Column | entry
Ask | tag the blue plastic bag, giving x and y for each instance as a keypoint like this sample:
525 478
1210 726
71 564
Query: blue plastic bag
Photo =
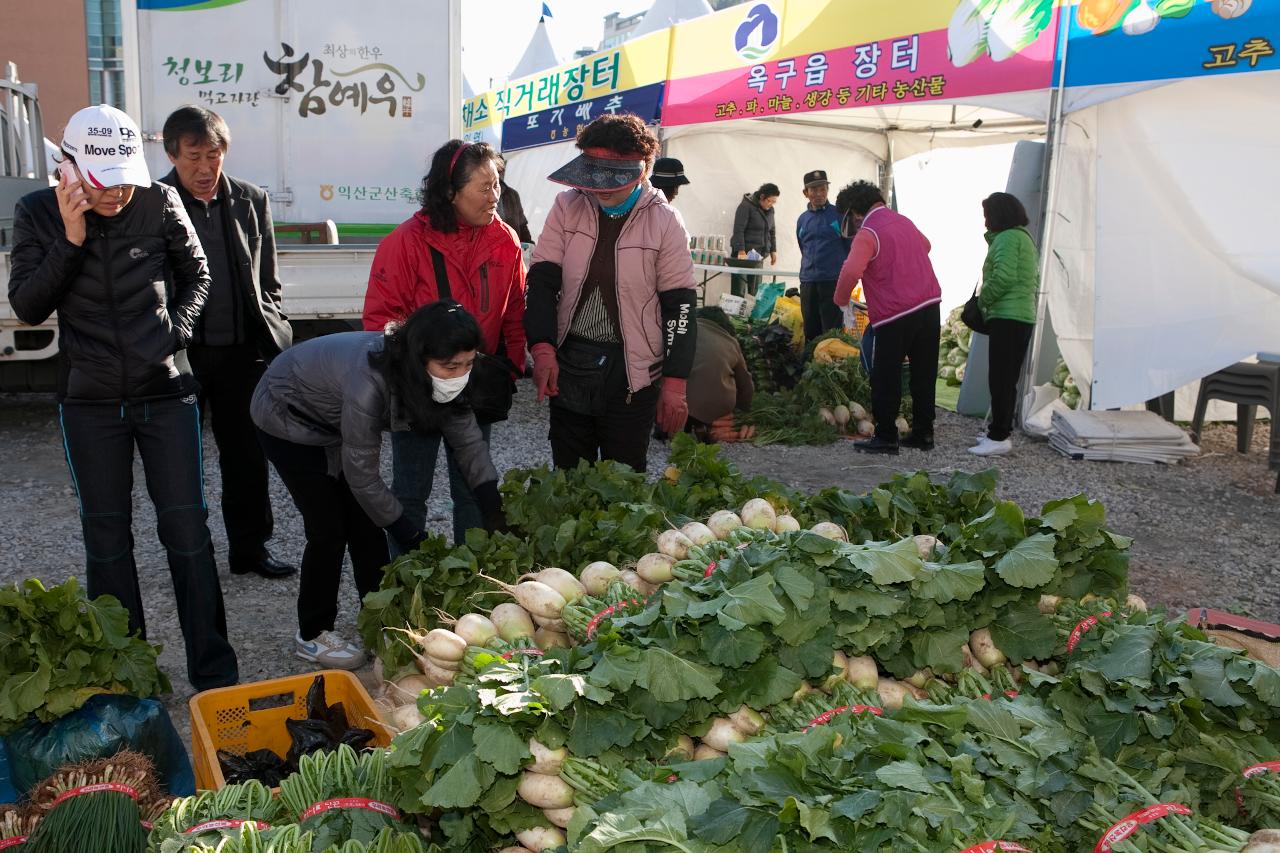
8 793
766 296
103 726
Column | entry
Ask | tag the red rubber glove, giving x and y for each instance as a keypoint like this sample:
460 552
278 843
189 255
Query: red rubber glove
673 409
546 371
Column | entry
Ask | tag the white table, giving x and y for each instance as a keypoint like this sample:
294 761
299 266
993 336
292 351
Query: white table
710 271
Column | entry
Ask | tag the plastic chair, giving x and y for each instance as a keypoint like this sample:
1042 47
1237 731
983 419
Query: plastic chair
1248 386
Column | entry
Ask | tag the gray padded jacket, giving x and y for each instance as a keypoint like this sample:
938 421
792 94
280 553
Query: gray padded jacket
323 392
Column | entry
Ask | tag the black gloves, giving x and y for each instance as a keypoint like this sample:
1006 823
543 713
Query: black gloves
406 535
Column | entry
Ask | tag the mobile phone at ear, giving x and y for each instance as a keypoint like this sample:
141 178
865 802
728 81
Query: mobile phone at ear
68 172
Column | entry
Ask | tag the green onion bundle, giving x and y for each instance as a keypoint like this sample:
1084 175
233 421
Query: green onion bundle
15 826
212 815
98 805
341 796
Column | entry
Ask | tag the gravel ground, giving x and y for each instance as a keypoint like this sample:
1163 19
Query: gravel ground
1205 532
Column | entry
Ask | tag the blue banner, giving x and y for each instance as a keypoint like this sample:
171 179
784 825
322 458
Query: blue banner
561 123
1172 39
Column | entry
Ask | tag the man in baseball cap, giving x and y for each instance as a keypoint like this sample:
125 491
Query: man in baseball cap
106 147
822 252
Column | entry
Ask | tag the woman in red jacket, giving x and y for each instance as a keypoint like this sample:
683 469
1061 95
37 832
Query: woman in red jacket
456 233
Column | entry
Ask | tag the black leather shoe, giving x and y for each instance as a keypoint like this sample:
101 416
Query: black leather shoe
876 445
917 442
268 567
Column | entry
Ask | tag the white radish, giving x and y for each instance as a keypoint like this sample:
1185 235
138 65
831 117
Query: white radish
721 734
785 524
444 645
984 648
861 672
569 587
543 791
682 750
406 689
706 752
970 661
515 850
512 621
759 514
597 576
830 530
560 817
698 533
437 676
842 415
866 427
827 415
857 412
556 625
1049 603
723 522
447 665
477 630
1135 603
534 596
901 423
545 638
540 838
546 760
655 568
892 693
639 584
406 717
378 675
674 544
747 721
925 545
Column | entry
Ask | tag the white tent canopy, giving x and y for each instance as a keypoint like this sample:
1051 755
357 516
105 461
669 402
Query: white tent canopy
538 56
664 13
1163 264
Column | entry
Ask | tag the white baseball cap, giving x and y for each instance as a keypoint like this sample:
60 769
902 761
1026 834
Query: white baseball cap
107 147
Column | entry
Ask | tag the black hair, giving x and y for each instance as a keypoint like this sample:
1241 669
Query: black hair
1004 211
445 179
196 124
670 192
437 331
859 197
766 190
715 314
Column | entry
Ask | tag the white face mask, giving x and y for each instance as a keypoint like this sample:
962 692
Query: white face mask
444 390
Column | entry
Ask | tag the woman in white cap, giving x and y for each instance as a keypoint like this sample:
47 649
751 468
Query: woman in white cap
610 306
116 256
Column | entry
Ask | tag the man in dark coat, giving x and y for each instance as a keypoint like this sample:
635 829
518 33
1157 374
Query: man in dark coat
242 326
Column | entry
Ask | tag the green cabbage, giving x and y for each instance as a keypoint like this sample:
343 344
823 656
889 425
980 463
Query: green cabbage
967 32
1174 8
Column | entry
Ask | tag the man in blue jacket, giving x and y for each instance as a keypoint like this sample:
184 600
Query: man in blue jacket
822 253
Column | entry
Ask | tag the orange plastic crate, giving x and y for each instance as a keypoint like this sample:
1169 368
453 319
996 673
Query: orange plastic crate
246 717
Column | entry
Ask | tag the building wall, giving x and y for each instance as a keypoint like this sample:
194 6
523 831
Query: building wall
47 40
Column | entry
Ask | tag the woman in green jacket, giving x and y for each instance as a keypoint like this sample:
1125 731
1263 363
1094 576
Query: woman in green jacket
1010 279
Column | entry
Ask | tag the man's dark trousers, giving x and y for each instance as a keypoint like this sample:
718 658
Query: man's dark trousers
227 377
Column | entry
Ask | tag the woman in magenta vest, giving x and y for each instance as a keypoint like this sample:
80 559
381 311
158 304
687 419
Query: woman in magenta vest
891 258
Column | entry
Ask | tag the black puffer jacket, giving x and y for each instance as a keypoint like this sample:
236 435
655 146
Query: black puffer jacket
753 228
127 300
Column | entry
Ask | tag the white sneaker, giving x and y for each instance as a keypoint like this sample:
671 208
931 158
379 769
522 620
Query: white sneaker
987 447
330 650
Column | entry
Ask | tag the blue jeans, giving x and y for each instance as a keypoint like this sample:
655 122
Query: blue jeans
413 467
99 440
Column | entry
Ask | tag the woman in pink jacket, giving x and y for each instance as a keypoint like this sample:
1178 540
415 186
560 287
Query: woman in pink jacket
611 297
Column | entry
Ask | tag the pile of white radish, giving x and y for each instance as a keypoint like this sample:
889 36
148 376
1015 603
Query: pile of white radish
842 416
541 786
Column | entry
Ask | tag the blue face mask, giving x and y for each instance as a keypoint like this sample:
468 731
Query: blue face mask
626 205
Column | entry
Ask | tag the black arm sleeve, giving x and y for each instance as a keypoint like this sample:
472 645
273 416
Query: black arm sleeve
542 297
39 275
680 329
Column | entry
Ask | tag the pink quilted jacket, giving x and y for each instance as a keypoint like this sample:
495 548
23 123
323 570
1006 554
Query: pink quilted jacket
652 257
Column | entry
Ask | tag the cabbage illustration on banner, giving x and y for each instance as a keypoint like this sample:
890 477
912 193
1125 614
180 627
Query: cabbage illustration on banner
996 28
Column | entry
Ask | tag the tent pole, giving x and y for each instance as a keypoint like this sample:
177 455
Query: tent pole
1048 197
887 183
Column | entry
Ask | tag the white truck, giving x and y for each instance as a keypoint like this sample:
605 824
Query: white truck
334 111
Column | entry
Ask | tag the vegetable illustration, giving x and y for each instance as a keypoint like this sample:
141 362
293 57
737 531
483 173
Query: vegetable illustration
1231 8
1102 16
1015 25
1142 19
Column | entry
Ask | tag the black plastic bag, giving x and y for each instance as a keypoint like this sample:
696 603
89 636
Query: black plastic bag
261 764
